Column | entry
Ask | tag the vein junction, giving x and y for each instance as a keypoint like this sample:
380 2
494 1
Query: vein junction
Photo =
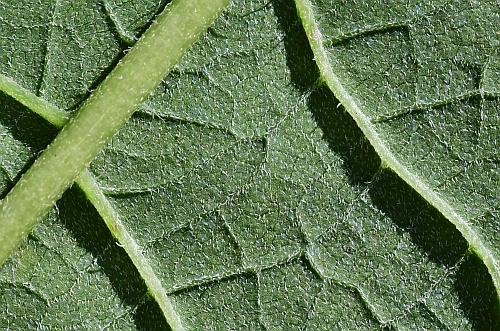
87 183
98 119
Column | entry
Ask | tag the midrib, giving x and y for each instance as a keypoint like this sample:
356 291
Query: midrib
306 15
87 183
97 120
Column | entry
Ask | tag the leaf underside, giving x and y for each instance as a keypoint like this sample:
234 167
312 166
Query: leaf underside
421 81
254 197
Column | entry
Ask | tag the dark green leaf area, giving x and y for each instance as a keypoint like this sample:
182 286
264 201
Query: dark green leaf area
266 207
425 74
23 135
250 191
69 271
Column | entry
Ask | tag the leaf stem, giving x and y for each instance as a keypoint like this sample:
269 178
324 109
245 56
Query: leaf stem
104 112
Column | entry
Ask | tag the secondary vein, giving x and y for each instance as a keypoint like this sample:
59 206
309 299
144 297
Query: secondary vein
103 113
87 183
49 112
99 118
306 14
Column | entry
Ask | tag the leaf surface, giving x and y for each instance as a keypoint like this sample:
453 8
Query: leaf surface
419 79
255 200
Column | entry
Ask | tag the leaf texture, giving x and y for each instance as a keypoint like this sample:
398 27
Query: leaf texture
418 79
69 273
254 198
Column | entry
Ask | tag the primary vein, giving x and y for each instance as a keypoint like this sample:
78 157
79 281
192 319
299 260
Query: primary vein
87 183
98 119
106 110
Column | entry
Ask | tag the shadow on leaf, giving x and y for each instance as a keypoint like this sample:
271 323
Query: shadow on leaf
428 229
79 216
25 127
91 233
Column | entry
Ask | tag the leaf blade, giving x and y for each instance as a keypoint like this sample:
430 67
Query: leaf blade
101 116
477 241
311 239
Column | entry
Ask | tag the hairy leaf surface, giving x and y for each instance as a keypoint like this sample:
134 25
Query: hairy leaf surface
251 196
420 79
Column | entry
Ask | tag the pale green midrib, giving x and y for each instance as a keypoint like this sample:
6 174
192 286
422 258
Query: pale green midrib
136 75
101 115
94 194
306 14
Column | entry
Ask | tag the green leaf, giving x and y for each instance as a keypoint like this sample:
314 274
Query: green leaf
419 80
101 115
240 190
